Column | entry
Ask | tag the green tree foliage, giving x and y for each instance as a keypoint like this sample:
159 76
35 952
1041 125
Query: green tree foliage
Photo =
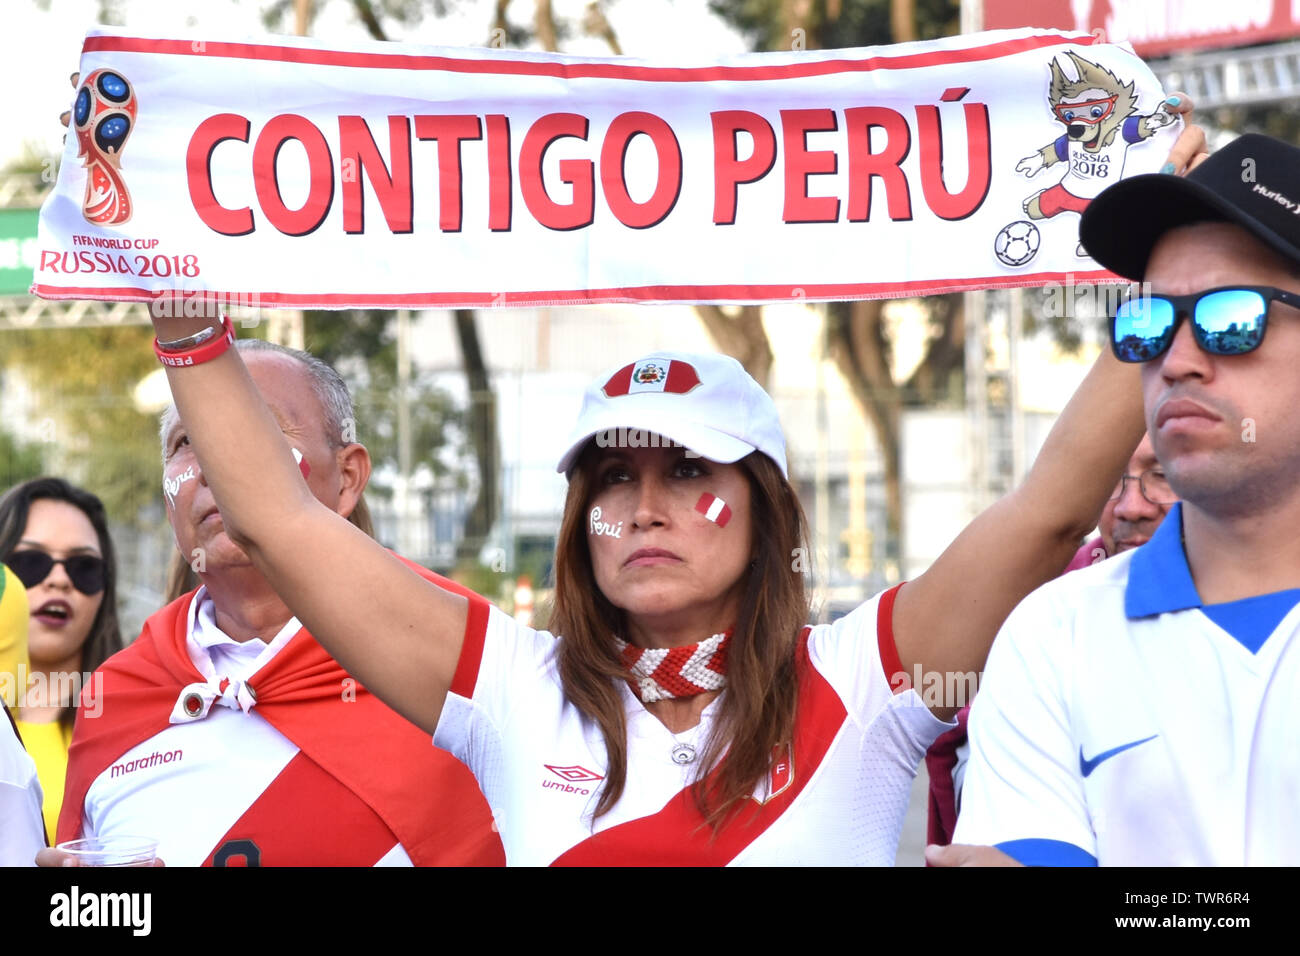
362 346
18 461
91 431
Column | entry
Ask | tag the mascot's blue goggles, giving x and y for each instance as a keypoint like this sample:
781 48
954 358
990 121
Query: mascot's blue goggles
1225 321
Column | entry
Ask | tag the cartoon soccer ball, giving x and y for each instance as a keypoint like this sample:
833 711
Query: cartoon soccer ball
1016 243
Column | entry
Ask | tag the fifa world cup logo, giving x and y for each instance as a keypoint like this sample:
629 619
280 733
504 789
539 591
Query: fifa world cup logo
103 116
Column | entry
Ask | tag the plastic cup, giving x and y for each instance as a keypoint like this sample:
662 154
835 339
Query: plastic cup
113 851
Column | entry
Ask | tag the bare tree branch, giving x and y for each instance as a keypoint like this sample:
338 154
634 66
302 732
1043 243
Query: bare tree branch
547 34
902 20
859 347
483 435
366 14
741 336
945 353
596 24
499 16
798 15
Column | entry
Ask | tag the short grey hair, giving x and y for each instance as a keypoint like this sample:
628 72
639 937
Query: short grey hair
330 389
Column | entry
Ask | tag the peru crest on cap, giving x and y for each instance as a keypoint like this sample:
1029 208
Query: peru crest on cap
652 375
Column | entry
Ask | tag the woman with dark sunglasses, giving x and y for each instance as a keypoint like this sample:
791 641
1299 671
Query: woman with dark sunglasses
54 537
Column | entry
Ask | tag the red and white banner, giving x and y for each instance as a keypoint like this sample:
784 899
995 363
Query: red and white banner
280 172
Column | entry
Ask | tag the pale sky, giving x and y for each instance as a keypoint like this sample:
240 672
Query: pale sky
39 49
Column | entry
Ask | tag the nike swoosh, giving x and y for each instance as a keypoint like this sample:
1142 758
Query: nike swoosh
1086 766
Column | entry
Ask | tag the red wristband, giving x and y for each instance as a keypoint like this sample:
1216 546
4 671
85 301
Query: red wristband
201 353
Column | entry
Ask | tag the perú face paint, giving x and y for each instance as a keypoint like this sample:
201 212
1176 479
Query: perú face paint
173 485
599 527
714 508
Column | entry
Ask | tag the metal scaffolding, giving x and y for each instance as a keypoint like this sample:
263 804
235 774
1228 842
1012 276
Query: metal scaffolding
1245 77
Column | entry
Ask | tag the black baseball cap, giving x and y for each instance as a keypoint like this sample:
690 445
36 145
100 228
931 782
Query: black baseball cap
1253 182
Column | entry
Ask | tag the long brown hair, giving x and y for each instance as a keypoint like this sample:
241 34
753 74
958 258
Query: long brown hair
756 712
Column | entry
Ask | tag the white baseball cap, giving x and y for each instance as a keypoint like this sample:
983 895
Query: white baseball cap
708 403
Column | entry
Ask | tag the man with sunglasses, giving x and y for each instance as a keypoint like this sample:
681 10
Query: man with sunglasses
1140 711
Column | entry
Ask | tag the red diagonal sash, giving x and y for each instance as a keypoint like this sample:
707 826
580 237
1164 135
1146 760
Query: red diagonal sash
424 795
677 834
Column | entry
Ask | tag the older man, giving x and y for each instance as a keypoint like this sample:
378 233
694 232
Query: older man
1141 500
227 733
1142 711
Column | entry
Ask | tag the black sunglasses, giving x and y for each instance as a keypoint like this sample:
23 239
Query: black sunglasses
1225 321
85 571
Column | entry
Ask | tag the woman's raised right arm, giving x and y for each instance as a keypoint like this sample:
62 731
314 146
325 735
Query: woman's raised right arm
395 632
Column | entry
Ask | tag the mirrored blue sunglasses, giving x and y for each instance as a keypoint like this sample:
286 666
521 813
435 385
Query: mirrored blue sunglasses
1225 321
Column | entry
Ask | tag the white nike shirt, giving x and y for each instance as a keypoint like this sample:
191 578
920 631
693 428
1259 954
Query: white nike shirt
1117 723
839 799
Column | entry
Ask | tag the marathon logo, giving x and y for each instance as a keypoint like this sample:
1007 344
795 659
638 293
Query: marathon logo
155 759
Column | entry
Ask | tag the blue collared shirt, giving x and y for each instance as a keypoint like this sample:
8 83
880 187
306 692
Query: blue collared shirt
1160 580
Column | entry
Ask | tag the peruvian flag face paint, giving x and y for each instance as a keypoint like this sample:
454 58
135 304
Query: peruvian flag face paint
714 508
302 463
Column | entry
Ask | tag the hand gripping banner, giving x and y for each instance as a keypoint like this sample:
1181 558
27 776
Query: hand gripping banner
279 172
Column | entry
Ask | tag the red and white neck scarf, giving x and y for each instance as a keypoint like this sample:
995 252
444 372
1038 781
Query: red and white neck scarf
663 673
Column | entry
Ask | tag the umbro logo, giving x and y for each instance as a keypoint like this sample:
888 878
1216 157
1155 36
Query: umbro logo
573 776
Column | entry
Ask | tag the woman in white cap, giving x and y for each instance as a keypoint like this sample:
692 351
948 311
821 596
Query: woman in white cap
679 710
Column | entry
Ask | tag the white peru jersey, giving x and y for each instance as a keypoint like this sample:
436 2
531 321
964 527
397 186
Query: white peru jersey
1117 721
230 789
838 798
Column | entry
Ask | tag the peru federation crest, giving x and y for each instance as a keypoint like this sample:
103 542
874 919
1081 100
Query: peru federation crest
103 116
653 374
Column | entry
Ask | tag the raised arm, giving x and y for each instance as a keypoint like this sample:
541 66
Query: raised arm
398 634
946 619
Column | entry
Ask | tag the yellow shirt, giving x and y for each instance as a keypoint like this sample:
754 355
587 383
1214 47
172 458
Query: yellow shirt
13 637
47 744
